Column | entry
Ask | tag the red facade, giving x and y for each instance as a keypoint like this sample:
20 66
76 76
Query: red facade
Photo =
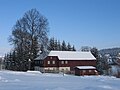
66 61
82 72
51 59
48 62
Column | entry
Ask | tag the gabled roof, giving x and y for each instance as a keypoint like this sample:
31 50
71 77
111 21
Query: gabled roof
72 55
42 56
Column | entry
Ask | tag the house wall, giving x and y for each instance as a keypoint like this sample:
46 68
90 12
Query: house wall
70 64
50 59
53 63
74 63
65 69
39 63
83 72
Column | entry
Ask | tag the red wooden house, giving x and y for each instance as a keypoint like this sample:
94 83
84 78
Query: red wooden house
64 61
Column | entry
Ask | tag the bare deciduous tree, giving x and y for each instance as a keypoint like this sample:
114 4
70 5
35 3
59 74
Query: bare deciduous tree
29 33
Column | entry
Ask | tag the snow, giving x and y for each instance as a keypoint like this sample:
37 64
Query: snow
85 67
72 55
34 72
10 80
115 69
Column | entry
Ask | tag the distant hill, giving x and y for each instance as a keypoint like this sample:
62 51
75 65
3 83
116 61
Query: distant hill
111 51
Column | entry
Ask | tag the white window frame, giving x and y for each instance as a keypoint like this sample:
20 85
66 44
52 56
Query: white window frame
90 70
48 62
66 62
53 62
84 71
62 62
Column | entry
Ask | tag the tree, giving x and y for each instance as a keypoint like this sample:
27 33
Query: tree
55 44
64 48
85 48
69 47
94 51
99 59
59 46
51 44
28 34
73 48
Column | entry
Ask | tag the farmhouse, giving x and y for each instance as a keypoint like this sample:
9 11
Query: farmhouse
66 61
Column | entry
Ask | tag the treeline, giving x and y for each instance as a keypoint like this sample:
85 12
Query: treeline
55 44
111 51
16 61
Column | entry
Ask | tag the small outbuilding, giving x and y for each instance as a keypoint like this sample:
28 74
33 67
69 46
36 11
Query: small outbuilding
85 70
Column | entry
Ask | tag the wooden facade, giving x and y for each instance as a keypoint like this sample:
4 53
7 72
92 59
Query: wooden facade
67 63
82 72
55 63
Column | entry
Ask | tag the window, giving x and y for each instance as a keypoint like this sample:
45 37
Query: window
62 62
50 57
84 71
35 62
53 62
48 62
90 70
41 62
66 62
66 69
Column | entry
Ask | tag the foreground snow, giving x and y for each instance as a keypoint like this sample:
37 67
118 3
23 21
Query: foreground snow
10 80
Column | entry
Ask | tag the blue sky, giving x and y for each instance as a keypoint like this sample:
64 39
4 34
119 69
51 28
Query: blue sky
80 22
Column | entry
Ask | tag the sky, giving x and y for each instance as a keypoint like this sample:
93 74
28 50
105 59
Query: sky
94 23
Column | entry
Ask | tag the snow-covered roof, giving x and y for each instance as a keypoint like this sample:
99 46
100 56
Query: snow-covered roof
42 56
85 67
72 55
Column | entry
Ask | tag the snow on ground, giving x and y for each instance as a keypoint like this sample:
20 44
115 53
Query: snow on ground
10 80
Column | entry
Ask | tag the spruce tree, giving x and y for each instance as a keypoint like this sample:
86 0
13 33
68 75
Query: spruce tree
59 46
69 47
64 48
73 48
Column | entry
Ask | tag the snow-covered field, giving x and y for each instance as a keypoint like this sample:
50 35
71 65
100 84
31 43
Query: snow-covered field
10 80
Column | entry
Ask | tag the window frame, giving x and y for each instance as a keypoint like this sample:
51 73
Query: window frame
84 71
48 62
53 62
62 62
66 62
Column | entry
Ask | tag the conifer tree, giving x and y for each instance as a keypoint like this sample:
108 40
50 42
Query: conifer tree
59 46
73 48
64 48
69 47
